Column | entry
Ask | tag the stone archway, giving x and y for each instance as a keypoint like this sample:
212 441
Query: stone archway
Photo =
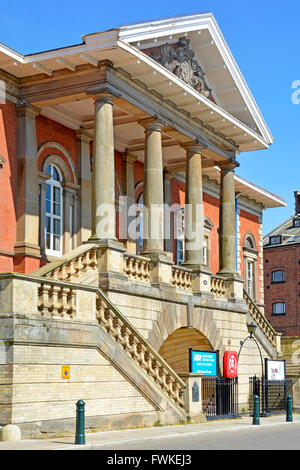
175 349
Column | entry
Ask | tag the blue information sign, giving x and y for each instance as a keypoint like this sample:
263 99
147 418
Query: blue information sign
204 362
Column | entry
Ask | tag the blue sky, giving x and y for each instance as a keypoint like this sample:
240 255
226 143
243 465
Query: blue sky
264 39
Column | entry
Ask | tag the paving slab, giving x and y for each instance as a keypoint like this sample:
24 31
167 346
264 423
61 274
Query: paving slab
103 439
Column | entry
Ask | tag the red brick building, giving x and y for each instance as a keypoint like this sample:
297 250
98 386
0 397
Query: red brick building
282 275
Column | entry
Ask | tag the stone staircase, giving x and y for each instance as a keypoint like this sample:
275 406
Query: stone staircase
57 294
267 336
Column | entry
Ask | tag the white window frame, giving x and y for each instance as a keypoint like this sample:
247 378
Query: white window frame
279 313
179 236
54 184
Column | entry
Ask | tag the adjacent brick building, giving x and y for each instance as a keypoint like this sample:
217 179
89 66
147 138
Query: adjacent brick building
282 274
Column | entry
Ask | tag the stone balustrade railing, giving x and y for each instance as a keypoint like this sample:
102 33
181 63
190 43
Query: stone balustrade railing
33 296
182 278
70 266
218 287
140 351
56 300
137 268
261 320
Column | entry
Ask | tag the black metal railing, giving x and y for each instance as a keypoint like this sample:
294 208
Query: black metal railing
219 397
272 393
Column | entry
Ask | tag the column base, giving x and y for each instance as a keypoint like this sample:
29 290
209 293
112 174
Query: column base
162 267
234 285
110 255
201 275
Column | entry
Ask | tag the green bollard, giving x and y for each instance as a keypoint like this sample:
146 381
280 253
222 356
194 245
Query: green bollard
256 410
80 436
289 409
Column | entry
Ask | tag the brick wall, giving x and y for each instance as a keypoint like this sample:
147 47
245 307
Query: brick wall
284 258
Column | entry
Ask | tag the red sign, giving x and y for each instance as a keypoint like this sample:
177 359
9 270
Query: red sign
230 364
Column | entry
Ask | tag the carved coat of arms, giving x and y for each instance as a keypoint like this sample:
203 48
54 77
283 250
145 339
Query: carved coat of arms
181 61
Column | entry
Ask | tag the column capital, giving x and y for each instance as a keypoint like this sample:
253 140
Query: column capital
24 108
193 147
167 174
83 136
129 157
151 124
227 165
103 97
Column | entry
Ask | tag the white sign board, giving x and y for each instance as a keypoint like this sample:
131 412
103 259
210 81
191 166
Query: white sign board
275 370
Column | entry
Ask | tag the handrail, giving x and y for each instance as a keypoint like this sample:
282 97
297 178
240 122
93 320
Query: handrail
260 319
71 264
112 320
118 327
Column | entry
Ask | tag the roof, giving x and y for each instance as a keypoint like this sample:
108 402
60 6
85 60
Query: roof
250 191
285 234
232 113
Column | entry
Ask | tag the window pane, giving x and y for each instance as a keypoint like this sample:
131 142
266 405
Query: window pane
56 194
56 243
48 191
56 228
48 206
48 170
279 308
55 174
56 209
48 225
278 276
48 240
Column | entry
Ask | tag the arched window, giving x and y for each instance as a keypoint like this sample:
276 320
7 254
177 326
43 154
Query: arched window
54 211
250 265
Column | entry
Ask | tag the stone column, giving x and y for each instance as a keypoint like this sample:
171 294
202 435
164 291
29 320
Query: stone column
27 242
194 215
104 217
153 189
85 191
227 225
169 215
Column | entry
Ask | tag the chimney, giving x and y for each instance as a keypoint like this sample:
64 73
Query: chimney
297 201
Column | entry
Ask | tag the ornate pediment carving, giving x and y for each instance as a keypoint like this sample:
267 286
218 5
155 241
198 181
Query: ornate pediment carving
180 59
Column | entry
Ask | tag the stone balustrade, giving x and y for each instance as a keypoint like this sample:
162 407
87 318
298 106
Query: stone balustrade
139 350
261 320
31 296
218 287
137 268
182 278
72 265
56 300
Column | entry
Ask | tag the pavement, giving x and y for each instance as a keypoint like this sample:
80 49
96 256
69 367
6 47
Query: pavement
108 439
